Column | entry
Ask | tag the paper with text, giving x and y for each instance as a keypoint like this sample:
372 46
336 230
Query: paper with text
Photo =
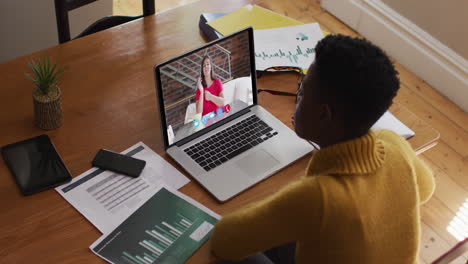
106 198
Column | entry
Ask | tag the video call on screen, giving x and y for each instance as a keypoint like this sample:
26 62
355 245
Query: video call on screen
206 86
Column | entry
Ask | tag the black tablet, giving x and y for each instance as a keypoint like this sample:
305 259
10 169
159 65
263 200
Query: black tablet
35 164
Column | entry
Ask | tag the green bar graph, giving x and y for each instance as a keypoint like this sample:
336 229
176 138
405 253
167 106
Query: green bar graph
166 229
133 259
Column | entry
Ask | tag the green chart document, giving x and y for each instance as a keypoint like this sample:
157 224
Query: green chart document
168 229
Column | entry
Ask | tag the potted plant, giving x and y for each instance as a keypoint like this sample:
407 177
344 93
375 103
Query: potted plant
46 95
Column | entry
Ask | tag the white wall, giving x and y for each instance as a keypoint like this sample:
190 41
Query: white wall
27 26
420 52
446 20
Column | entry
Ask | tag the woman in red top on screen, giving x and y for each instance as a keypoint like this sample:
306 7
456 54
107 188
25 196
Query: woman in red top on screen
209 96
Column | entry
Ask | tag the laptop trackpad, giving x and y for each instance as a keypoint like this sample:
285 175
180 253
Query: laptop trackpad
257 163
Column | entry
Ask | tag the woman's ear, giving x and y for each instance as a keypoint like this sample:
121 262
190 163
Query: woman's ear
326 113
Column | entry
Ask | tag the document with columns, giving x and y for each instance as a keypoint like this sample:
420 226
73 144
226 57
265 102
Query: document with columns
106 198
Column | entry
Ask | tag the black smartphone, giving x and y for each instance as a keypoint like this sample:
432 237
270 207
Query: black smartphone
116 162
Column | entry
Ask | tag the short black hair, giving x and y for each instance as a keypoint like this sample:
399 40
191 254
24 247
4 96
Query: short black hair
357 77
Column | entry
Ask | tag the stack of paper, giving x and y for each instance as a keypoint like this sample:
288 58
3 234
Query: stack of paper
279 40
144 220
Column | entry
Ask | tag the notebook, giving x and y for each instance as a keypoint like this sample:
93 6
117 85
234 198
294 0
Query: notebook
220 135
208 31
251 15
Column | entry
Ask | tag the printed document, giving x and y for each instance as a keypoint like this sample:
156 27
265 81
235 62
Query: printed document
168 228
286 46
106 198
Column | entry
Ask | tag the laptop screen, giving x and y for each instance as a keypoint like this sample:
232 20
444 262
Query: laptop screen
201 88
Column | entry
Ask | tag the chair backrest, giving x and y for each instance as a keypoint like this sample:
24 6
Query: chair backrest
62 7
238 89
453 254
190 113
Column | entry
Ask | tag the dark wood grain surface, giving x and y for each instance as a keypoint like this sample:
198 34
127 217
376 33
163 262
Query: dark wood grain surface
109 101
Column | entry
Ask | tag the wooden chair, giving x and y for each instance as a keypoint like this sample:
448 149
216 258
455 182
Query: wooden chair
62 7
457 251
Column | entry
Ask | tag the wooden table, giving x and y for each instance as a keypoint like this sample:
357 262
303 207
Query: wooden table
109 102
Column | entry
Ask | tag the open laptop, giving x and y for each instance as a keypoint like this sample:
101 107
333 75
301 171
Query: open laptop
237 143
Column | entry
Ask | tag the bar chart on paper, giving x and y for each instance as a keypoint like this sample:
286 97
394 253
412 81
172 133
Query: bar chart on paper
162 237
166 229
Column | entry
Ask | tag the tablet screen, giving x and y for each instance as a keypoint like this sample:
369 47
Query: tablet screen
35 164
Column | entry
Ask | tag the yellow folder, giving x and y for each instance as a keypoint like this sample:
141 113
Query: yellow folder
251 15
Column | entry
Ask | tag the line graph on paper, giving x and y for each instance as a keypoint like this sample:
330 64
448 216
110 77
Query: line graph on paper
293 56
287 46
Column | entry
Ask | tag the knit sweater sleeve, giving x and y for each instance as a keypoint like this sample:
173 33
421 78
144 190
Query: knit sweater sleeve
275 221
423 175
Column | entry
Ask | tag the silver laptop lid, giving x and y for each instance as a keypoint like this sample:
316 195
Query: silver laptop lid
185 111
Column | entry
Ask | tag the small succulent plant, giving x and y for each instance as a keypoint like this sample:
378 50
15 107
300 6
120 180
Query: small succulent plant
44 74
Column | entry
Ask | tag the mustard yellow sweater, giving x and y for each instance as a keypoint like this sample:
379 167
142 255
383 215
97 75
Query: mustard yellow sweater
358 203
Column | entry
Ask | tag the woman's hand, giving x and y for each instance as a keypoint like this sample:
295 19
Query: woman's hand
208 96
199 85
199 102
217 100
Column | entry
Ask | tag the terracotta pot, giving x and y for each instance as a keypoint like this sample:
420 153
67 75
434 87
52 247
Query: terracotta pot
48 108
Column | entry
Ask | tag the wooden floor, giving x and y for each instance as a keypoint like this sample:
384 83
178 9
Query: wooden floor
448 160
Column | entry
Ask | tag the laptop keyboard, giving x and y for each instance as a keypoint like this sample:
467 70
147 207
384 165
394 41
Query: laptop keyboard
230 142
